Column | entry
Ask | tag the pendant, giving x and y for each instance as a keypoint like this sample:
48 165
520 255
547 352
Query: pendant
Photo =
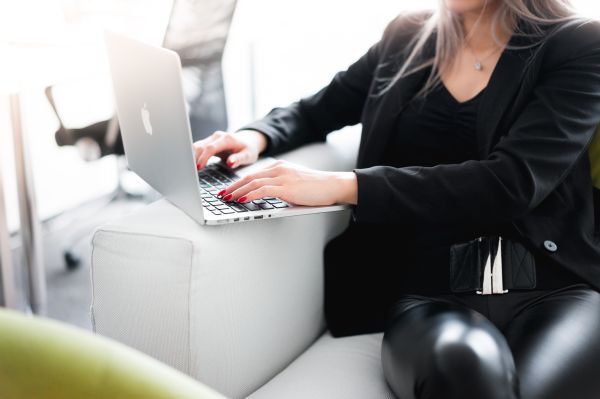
478 66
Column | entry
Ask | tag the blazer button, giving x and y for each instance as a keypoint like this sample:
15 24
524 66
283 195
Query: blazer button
550 246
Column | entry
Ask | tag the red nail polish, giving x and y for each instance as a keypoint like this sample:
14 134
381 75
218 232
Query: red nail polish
221 192
243 199
197 166
228 197
230 163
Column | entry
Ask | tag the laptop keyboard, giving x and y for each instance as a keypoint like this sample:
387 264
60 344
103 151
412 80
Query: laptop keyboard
214 178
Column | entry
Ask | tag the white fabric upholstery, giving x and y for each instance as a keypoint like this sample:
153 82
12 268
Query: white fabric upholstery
332 368
230 305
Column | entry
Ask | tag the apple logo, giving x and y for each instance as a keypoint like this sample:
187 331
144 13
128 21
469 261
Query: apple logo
146 119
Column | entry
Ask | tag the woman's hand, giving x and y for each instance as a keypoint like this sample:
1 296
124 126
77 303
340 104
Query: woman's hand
294 184
241 148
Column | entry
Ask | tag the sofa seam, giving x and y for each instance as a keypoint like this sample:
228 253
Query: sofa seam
189 312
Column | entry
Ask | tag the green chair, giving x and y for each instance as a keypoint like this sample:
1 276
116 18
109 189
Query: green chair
40 358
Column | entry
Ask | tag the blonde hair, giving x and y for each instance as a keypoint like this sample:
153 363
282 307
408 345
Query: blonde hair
447 26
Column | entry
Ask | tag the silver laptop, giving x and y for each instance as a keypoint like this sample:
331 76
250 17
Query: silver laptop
157 139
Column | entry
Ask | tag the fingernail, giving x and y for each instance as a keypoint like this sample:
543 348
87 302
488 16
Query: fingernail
228 197
230 163
221 192
242 199
197 166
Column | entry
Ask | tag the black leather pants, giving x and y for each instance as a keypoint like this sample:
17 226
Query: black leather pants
529 345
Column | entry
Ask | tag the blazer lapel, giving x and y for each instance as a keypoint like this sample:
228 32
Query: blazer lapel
500 92
386 110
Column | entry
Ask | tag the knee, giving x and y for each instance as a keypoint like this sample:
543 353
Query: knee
469 357
447 352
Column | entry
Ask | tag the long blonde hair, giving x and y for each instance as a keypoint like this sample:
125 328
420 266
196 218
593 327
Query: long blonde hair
450 37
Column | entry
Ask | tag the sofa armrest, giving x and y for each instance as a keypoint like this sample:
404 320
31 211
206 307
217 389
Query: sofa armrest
230 305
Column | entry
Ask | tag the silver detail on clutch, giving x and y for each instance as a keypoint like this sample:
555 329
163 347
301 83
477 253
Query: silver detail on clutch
492 274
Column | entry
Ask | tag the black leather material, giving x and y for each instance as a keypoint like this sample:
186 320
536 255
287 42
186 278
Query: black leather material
467 262
444 350
537 344
518 266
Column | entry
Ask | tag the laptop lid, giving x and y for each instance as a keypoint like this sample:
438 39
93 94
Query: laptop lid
153 118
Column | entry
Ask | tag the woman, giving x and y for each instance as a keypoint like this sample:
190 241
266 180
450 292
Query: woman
474 241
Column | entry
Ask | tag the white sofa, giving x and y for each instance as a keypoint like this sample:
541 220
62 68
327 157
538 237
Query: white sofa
240 306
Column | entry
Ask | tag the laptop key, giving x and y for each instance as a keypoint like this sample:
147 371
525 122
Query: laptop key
238 208
251 207
259 201
280 205
215 212
227 211
226 179
220 177
266 205
273 200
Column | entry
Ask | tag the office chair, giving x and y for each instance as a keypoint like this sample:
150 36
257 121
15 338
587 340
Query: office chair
93 142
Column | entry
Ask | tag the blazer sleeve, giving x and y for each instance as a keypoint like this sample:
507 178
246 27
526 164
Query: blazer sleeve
310 119
528 163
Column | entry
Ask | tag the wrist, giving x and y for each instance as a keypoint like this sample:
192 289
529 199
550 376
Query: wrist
347 188
256 139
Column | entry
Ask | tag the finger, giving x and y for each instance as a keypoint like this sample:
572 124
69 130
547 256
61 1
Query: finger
198 148
268 172
253 185
239 158
199 145
264 191
210 149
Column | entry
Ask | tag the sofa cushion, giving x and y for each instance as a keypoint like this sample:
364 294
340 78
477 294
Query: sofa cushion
332 368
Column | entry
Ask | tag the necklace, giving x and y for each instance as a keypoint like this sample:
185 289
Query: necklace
478 65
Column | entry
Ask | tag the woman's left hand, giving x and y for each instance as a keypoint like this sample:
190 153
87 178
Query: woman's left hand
294 184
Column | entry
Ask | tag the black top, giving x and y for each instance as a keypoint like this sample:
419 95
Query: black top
439 129
436 130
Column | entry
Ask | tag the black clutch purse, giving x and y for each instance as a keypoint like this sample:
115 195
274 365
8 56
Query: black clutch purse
478 266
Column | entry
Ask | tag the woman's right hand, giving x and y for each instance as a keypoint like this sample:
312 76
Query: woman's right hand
240 148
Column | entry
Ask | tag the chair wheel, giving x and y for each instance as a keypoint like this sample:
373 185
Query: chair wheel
71 261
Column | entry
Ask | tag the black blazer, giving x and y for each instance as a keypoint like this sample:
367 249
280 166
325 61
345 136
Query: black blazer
537 118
